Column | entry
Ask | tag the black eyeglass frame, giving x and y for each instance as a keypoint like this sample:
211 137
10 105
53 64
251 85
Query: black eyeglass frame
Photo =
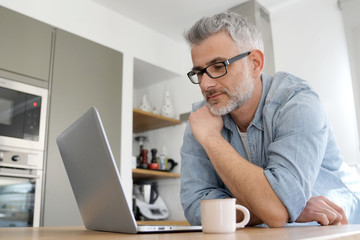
226 63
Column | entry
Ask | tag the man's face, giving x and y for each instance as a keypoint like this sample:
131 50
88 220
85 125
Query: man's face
223 95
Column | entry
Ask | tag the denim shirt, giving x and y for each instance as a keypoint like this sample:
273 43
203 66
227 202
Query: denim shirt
291 139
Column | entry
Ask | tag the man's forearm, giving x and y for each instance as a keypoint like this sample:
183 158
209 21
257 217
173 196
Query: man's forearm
247 183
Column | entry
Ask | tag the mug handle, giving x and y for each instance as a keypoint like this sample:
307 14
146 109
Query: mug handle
246 216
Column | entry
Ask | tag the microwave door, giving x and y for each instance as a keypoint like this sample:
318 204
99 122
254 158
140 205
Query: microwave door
12 113
32 117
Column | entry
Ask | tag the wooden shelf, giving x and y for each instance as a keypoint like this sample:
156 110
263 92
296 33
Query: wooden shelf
153 174
145 121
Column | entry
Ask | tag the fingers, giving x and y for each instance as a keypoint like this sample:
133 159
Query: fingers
321 218
332 217
323 211
330 209
342 219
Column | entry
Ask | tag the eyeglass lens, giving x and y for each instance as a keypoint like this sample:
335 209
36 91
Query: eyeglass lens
215 70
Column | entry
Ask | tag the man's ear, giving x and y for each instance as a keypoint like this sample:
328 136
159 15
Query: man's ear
256 58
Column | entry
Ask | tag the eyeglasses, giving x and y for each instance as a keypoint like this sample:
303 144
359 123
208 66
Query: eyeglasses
215 70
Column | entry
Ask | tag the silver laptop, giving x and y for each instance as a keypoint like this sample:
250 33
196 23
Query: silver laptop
95 180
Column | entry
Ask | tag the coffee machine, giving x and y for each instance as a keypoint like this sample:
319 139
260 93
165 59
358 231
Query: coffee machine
148 204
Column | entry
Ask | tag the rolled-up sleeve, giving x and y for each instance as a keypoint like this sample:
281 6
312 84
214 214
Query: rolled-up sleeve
295 153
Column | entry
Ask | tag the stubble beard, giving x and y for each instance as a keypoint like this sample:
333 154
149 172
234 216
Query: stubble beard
241 95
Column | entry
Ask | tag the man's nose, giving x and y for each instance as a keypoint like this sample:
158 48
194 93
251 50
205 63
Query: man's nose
207 82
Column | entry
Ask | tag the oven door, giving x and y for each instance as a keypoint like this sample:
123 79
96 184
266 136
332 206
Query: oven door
17 197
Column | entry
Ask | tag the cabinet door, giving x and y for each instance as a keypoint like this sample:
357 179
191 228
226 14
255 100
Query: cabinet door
25 45
85 74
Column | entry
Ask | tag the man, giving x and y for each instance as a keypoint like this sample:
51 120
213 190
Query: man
265 141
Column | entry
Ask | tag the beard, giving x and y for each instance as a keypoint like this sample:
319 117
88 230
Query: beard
238 97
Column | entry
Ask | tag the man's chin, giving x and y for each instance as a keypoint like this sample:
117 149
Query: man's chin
217 110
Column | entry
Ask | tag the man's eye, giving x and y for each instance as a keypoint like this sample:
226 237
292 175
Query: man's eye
217 67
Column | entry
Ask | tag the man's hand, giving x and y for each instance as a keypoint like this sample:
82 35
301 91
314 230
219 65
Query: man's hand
204 124
323 211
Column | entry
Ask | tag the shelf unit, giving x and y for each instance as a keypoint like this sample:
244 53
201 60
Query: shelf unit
150 79
145 121
152 174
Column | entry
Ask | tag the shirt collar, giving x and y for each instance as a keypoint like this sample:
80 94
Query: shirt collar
258 118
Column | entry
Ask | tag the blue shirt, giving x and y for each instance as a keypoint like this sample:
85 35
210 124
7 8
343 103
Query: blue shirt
291 138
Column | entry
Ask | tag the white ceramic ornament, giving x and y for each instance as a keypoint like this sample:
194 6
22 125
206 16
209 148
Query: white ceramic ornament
145 105
167 109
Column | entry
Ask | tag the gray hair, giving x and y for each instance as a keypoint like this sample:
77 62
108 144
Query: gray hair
241 30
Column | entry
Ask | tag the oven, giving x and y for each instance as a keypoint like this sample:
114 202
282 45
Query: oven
20 187
22 115
22 143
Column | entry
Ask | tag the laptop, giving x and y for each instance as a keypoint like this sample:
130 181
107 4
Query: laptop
96 182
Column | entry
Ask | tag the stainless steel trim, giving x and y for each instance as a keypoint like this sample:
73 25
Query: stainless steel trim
17 175
10 165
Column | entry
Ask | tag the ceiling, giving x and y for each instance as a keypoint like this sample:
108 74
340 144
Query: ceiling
172 17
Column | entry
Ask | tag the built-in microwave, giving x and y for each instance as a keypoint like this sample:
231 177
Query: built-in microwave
22 115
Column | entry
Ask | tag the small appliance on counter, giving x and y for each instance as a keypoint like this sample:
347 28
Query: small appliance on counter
148 203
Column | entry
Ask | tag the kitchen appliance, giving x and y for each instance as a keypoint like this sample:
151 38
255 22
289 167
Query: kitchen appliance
148 203
20 187
22 141
22 115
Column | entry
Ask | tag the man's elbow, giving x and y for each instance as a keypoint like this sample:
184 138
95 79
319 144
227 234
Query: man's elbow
278 219
277 223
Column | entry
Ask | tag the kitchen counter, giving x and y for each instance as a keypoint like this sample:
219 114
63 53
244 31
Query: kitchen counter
248 233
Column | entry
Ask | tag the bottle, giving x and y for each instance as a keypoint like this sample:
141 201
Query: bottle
163 159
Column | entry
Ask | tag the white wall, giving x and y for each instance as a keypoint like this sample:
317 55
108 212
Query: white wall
350 11
309 41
